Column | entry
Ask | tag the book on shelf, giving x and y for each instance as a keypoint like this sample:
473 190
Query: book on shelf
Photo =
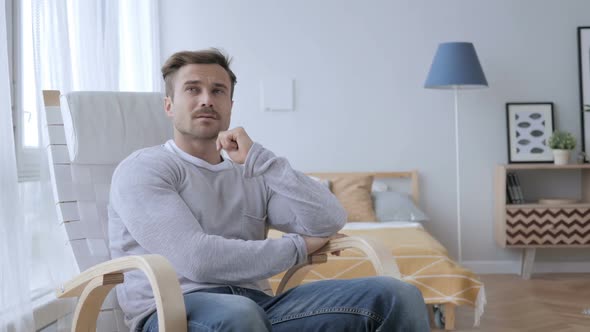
508 194
514 189
518 189
512 199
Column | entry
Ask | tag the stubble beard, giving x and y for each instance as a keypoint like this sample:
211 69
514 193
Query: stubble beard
193 131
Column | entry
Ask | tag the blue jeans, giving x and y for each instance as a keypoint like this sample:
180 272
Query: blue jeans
366 304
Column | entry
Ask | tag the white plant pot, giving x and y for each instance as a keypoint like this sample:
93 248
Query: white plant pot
561 157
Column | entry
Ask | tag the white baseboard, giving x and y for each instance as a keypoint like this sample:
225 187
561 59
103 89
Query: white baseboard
513 267
561 267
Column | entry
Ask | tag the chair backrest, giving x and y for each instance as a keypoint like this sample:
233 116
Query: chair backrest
87 135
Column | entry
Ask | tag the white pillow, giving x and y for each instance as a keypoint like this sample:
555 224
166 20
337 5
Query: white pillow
379 186
396 206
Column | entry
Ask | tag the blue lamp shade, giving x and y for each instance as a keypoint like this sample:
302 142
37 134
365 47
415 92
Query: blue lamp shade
455 65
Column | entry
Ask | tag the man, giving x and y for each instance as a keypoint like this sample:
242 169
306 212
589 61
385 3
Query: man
208 216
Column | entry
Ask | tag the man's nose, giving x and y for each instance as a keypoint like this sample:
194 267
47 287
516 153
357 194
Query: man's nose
206 100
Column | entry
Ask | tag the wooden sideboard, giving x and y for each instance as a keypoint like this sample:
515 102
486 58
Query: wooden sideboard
532 225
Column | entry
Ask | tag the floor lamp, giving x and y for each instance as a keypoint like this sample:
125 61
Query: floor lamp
456 66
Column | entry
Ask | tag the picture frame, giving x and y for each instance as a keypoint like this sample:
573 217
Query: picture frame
584 75
529 125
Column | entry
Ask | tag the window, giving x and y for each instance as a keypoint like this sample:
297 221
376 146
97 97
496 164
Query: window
30 116
47 236
26 118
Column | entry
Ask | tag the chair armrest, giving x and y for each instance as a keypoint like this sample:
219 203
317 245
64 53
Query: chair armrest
381 258
94 284
383 262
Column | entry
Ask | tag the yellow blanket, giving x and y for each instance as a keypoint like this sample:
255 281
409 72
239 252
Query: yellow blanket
421 259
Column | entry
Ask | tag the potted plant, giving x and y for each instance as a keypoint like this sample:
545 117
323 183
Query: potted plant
562 144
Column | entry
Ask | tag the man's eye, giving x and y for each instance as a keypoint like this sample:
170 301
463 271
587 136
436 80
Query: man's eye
191 89
218 91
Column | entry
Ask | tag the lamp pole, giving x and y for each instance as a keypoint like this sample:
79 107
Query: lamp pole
460 255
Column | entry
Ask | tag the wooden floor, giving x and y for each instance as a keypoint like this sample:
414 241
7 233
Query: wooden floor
545 303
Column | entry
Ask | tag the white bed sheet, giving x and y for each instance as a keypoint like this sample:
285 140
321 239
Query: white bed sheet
381 224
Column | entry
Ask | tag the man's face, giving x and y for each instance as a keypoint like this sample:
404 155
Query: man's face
202 101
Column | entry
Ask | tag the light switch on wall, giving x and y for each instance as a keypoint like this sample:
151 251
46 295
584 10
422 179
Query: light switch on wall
276 94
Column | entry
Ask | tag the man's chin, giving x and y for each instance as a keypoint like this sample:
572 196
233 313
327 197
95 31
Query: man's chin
206 136
202 133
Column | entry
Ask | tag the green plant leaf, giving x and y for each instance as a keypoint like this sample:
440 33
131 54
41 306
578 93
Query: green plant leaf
562 140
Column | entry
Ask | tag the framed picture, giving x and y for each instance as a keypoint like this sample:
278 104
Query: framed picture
529 127
584 71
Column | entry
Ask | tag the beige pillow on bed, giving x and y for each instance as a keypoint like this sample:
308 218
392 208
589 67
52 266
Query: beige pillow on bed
354 193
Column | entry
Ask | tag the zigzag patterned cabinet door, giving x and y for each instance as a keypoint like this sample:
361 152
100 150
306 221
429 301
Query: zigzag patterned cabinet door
531 225
548 226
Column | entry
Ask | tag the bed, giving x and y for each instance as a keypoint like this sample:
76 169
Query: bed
421 259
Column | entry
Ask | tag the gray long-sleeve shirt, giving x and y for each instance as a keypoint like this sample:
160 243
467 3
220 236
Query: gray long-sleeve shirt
210 221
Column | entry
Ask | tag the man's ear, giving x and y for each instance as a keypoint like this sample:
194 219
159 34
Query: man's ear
168 106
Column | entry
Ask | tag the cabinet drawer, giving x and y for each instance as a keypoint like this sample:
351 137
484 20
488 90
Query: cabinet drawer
548 226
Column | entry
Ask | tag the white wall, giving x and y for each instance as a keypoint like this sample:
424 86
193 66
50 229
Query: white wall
360 67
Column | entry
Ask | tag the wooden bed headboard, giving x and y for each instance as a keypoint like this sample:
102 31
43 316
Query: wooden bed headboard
412 175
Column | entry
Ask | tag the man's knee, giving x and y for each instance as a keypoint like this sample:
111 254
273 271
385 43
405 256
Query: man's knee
399 292
408 307
236 313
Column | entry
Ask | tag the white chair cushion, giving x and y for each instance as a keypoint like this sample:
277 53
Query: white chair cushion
111 125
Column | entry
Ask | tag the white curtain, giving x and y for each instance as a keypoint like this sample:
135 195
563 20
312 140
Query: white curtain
97 45
77 45
15 300
53 259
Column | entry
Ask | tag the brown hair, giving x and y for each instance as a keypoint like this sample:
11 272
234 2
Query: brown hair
180 59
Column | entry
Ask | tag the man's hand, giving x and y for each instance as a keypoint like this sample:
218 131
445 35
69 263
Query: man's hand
236 143
315 243
337 236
